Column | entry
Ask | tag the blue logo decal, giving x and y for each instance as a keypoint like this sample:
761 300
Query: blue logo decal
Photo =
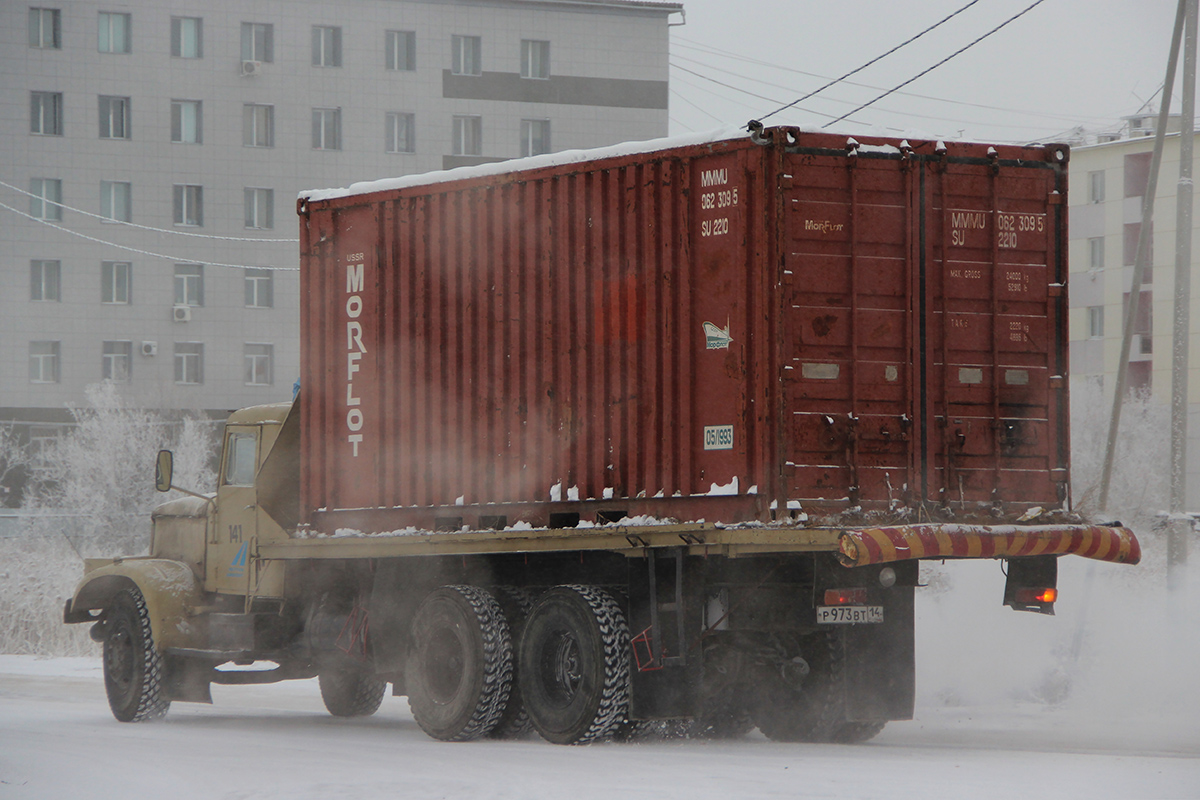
238 568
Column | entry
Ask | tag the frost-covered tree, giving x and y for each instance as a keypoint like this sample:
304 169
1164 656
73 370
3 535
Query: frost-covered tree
92 493
1140 482
101 472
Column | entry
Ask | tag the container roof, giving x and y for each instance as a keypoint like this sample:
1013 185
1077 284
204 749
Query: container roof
521 164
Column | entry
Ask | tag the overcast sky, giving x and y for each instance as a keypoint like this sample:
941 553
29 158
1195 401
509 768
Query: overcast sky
1064 64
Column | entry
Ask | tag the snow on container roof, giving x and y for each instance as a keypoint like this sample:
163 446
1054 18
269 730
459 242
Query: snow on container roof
523 164
623 4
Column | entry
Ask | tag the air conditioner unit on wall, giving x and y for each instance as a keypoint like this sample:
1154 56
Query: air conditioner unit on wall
149 348
181 314
251 68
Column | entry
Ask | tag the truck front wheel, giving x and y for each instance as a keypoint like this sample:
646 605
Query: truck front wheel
133 667
574 665
460 667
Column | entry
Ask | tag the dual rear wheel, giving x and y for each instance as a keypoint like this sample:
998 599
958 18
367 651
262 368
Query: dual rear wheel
569 672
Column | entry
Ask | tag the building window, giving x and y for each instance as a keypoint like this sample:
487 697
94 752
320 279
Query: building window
186 121
326 46
468 136
401 132
1096 253
45 280
189 205
258 42
116 278
258 364
1095 322
1137 174
46 200
260 208
189 362
114 117
116 358
45 113
187 37
535 137
401 50
43 362
116 200
1096 186
258 125
465 55
115 32
189 285
45 28
327 129
260 289
535 59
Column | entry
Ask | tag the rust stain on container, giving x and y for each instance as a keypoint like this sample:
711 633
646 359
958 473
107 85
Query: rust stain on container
703 331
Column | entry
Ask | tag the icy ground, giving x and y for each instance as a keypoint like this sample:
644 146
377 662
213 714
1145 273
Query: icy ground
1005 710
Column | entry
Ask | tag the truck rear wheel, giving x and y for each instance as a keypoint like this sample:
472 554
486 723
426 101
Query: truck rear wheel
574 665
133 667
515 602
460 667
351 692
856 732
813 711
816 711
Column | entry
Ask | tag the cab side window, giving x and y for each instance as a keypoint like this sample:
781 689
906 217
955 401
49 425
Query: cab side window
239 459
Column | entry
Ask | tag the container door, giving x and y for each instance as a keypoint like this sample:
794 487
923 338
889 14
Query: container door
995 347
924 320
848 381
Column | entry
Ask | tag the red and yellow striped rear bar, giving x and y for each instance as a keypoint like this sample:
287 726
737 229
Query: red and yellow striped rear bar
901 542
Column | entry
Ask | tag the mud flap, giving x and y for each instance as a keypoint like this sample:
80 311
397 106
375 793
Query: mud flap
881 663
880 660
188 680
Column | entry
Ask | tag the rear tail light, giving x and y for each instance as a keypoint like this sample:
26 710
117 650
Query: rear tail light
845 597
1036 596
1031 583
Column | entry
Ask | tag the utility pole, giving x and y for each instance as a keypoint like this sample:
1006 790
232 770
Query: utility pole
1180 524
1143 251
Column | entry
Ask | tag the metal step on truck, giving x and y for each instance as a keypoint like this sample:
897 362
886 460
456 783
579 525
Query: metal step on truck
654 432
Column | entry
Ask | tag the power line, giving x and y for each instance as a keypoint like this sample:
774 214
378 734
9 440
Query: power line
829 99
48 224
145 227
872 61
726 85
693 105
1016 16
716 51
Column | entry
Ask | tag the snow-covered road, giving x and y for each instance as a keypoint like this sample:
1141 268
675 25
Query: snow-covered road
58 740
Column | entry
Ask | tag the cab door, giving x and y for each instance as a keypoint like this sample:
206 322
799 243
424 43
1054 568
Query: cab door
232 539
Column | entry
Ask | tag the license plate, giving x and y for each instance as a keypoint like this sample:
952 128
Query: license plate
848 615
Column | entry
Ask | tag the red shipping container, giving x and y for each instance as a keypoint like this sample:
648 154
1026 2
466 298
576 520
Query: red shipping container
730 330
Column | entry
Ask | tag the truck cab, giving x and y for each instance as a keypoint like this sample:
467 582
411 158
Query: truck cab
219 535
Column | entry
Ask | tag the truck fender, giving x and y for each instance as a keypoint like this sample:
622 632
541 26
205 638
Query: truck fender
170 589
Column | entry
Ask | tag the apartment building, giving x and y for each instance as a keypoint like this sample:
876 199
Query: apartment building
1108 186
151 152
